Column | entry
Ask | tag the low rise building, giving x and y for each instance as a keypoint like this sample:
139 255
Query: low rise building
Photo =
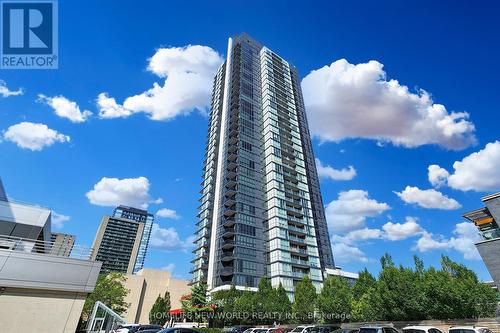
145 287
337 271
486 220
39 289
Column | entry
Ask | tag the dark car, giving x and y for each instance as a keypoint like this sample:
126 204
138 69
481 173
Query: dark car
142 328
149 330
324 328
346 330
378 329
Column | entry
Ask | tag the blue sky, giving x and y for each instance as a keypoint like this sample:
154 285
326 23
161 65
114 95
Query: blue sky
446 48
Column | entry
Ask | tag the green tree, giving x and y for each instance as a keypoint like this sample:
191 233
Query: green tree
195 305
224 301
364 308
199 295
364 296
407 294
283 306
399 290
304 301
335 300
158 314
439 290
386 261
245 307
110 290
264 302
365 282
469 297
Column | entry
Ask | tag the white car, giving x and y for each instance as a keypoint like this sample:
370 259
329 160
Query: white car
124 328
256 330
302 329
421 329
469 329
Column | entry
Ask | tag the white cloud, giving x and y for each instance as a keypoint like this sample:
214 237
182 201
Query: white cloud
465 236
428 243
345 100
65 108
108 108
58 220
361 235
437 175
5 92
478 172
350 210
168 239
399 231
347 247
167 213
345 253
328 172
390 231
128 191
188 73
427 198
33 136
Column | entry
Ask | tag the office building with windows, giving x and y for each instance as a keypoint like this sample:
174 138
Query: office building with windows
487 220
261 211
62 244
122 240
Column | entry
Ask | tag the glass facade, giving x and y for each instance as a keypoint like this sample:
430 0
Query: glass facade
261 212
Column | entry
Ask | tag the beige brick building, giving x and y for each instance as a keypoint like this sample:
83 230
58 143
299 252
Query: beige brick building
145 286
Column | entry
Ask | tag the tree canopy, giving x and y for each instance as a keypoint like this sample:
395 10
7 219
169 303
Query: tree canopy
304 301
398 293
110 290
159 312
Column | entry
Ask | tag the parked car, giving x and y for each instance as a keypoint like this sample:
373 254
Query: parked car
143 328
469 329
378 329
136 328
421 329
178 330
236 329
256 330
280 329
151 330
324 328
124 328
302 329
189 324
346 330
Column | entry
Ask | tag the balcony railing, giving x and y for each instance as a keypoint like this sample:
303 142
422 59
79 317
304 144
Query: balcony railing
51 248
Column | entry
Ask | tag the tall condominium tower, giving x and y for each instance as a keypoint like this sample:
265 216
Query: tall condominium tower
122 240
261 211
